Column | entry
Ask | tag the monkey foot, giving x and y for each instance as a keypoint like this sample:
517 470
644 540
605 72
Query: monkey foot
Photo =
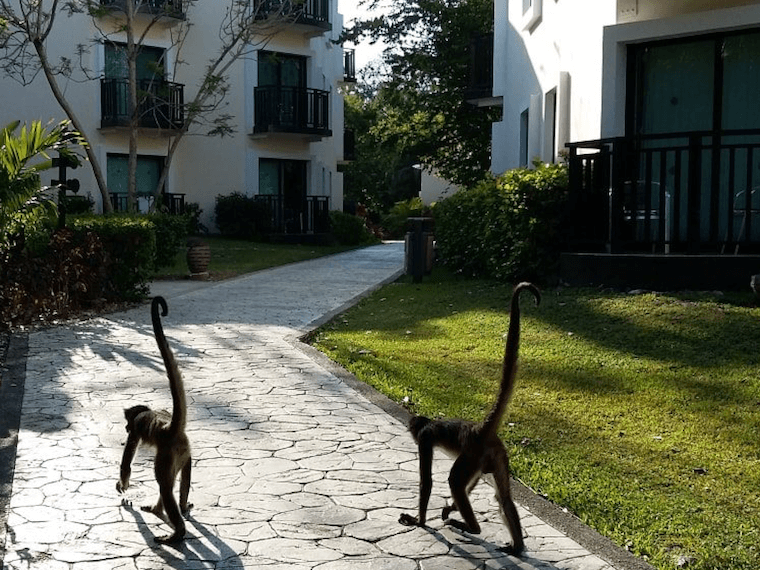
169 538
462 526
512 550
409 520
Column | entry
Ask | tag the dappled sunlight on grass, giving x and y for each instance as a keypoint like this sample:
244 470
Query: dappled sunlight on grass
641 414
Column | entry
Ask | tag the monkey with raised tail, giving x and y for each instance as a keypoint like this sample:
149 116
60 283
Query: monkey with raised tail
166 433
477 447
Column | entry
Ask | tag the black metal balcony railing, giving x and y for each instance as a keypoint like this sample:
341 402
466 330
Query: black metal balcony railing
291 109
480 83
168 8
349 145
349 66
314 13
160 104
310 215
693 192
172 203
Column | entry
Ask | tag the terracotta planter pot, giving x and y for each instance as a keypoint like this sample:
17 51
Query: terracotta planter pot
198 258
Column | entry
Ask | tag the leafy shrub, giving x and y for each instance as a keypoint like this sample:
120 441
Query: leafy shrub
130 244
69 274
77 205
192 214
171 234
349 229
506 227
395 221
241 216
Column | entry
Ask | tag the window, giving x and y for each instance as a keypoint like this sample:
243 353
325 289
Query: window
524 132
531 14
151 62
286 178
695 85
281 69
283 183
149 170
550 126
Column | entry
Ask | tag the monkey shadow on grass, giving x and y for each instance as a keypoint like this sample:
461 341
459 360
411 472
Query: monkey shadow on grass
199 544
500 559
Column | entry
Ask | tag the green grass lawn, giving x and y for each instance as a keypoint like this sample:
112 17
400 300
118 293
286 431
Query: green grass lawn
230 257
640 414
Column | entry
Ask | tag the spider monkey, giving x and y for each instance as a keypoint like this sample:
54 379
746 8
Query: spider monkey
477 447
166 433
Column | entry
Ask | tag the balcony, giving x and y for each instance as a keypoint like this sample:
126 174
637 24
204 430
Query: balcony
160 104
310 215
672 210
311 17
349 145
172 203
479 90
170 9
349 66
292 110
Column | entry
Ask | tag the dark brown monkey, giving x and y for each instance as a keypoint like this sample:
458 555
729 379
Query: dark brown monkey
167 434
477 447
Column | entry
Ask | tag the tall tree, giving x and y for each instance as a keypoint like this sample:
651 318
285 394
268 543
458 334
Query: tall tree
426 77
245 25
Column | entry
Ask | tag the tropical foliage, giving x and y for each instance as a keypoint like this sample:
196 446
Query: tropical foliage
506 227
414 110
24 202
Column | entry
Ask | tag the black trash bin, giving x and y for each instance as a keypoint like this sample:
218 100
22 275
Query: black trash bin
419 248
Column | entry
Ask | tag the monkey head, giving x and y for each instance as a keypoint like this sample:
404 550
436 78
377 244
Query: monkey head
131 415
416 425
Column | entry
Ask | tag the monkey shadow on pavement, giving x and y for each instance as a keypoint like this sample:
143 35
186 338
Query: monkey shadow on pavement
199 546
476 551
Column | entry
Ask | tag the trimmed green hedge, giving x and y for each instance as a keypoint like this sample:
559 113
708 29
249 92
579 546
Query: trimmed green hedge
507 227
130 244
171 235
348 229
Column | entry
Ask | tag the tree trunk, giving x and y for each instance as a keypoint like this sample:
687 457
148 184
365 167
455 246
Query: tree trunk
134 115
63 102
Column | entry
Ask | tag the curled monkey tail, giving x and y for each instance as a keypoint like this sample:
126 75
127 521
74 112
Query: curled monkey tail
179 404
509 365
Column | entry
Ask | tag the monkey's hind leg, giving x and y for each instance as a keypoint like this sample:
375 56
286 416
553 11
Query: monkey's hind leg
184 487
462 474
448 509
507 507
157 509
173 513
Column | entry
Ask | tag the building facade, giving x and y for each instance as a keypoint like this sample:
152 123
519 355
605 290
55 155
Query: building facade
656 105
568 70
284 102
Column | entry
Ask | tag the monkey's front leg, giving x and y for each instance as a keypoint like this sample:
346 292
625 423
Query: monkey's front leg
126 463
426 487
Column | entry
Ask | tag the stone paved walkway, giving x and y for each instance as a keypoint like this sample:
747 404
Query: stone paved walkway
292 467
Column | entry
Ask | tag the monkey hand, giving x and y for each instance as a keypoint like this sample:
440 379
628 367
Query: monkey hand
409 520
122 486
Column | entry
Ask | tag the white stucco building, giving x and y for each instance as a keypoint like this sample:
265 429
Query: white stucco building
658 106
565 70
284 100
